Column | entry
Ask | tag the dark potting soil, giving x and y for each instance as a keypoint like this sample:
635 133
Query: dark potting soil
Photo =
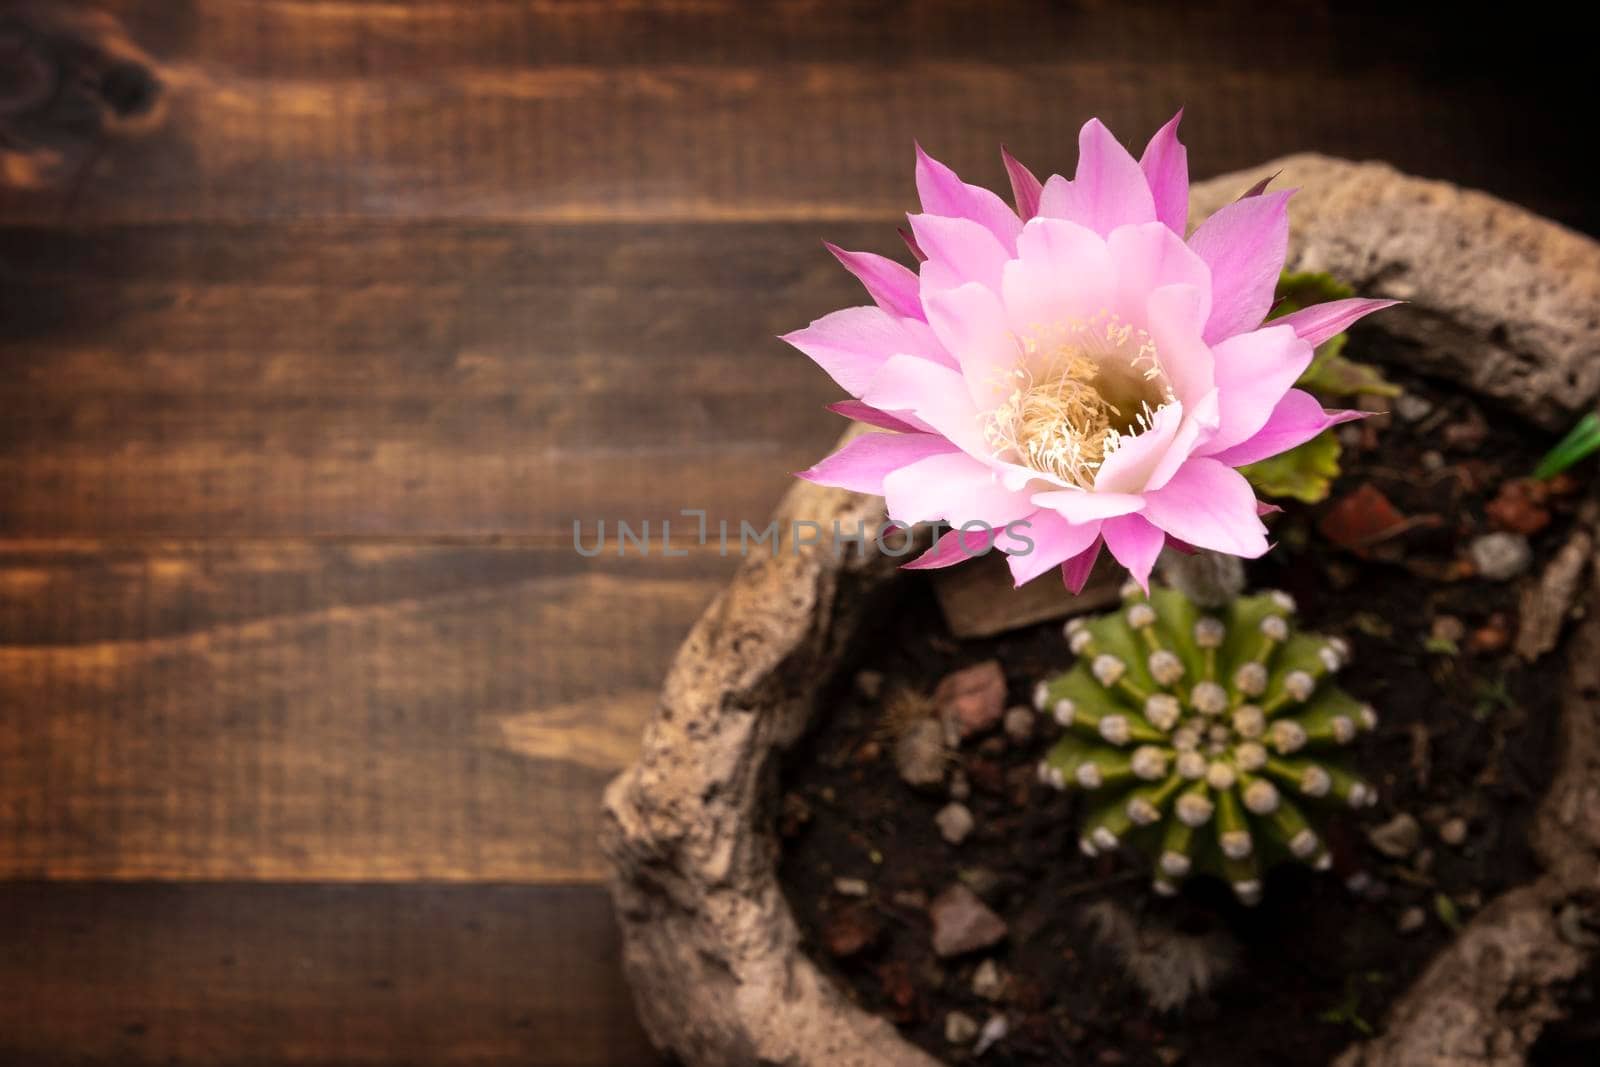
1466 737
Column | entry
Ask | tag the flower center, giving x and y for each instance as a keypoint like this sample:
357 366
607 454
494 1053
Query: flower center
1077 392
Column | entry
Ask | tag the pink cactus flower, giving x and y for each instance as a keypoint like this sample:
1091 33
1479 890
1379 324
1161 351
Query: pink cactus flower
1075 368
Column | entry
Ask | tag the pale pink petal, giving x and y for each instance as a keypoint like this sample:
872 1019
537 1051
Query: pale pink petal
892 286
1244 244
959 250
1297 419
1166 168
856 411
1053 541
1254 371
1109 189
1149 257
1025 188
1062 273
955 546
1175 315
952 486
1317 323
1198 427
1075 571
1129 468
970 322
853 343
1209 505
943 193
934 395
1082 505
864 461
1135 544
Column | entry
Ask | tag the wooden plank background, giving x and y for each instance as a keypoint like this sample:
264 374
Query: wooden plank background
320 324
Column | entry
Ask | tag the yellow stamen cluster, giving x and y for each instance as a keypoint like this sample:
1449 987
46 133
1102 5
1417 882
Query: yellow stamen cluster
1077 393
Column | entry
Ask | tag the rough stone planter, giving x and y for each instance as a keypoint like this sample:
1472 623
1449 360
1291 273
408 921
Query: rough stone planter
1503 302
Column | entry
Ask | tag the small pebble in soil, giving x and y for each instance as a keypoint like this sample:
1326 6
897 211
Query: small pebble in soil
849 930
1396 838
1492 636
960 788
962 923
955 822
994 1031
1501 556
1447 628
1019 724
1519 506
920 755
851 887
1412 408
1432 461
1412 920
988 981
960 1028
1454 831
972 699
869 684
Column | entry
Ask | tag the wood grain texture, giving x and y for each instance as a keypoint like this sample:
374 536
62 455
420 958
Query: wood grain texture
720 109
413 379
324 712
226 974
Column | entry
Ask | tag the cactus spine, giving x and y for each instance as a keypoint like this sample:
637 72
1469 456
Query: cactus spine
1206 737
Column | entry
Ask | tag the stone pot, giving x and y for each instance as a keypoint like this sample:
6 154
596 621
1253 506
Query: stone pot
1503 302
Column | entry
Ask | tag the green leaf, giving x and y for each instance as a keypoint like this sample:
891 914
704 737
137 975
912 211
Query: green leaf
1581 441
1305 472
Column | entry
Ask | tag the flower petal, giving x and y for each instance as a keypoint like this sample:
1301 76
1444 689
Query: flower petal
935 395
955 546
942 193
1254 371
1062 272
1053 541
1148 257
892 286
959 251
1082 505
1317 323
1025 188
954 487
1297 419
852 344
1209 505
856 411
1075 571
1244 244
1166 168
1129 468
1175 316
1109 189
1135 543
864 461
970 322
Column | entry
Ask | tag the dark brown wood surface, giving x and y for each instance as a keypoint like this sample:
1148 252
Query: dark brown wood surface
320 325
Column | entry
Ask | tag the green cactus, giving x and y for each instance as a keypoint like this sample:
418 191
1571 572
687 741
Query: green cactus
1192 729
